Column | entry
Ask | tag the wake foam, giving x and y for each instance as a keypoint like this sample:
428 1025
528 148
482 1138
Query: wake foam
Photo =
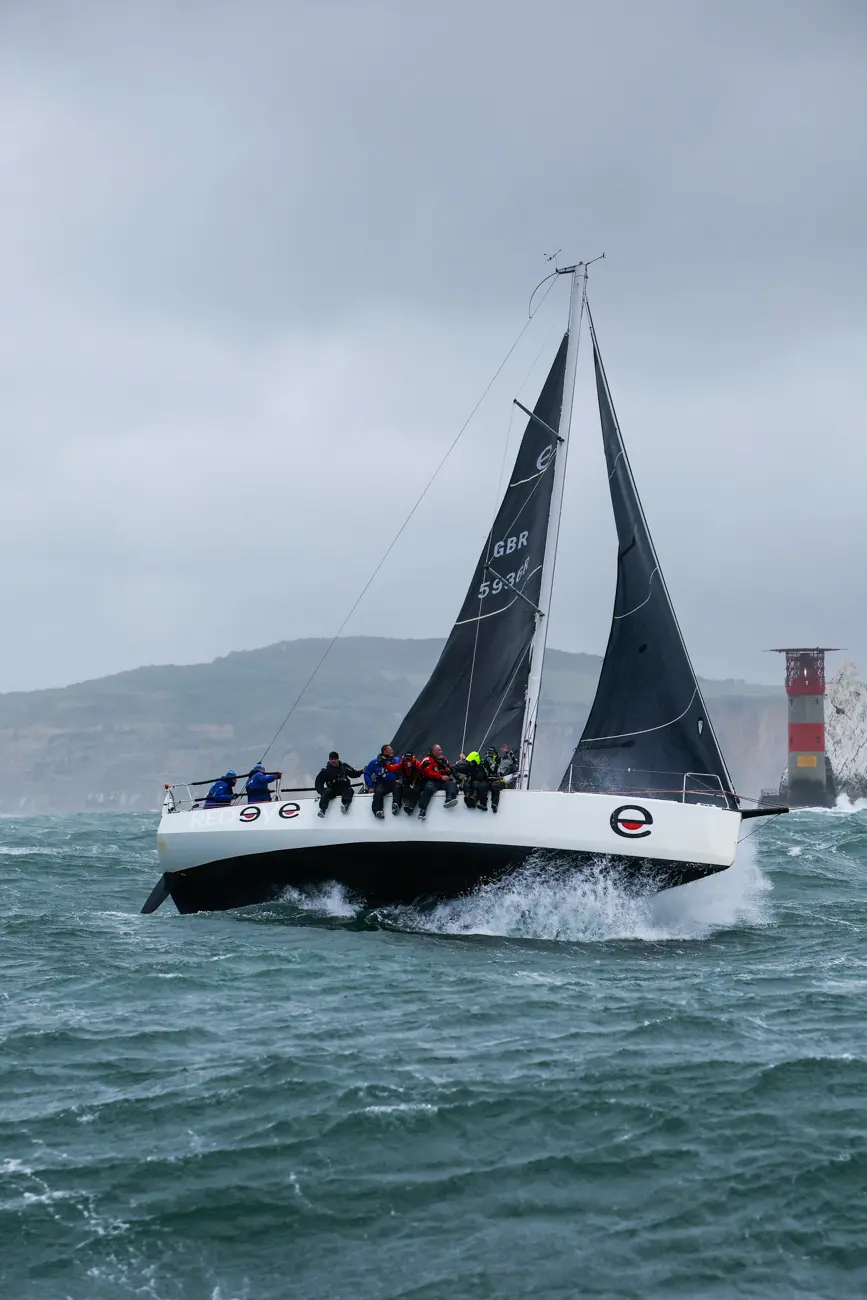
594 904
587 905
330 900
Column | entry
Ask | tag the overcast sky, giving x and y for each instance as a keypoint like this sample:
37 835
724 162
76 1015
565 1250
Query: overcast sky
259 260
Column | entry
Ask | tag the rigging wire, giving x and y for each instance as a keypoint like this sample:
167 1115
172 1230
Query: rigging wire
499 495
521 387
749 834
327 651
537 356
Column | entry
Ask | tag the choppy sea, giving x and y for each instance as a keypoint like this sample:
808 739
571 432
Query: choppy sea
534 1092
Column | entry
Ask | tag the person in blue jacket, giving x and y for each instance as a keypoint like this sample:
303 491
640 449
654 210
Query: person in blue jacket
221 792
382 776
258 781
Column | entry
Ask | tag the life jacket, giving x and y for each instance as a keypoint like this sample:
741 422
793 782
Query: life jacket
409 766
435 769
468 769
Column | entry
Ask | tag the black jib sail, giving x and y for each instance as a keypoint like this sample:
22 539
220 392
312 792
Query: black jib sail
476 694
648 731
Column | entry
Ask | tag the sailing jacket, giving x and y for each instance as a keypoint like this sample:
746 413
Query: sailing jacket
409 766
220 793
468 769
435 769
335 777
257 786
491 768
382 769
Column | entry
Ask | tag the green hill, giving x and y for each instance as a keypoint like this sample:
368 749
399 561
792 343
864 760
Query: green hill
112 743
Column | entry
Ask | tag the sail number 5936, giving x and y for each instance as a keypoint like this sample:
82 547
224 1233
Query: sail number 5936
508 580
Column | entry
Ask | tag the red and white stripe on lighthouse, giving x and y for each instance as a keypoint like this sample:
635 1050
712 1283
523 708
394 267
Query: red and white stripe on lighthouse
805 688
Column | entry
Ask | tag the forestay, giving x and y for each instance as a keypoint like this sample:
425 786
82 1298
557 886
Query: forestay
476 694
648 731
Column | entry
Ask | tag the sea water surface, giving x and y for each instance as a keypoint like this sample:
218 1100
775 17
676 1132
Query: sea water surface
534 1092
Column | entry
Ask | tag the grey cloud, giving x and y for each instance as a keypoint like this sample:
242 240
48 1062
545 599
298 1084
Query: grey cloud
260 260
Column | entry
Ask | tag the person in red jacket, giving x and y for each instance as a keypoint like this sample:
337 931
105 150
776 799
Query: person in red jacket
436 774
411 781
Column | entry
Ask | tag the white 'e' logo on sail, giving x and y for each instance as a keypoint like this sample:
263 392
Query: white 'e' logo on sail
545 458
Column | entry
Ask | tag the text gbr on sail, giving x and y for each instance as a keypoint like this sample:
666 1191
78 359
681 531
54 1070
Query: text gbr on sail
510 544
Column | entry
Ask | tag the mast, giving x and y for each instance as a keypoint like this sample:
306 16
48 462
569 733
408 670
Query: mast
534 684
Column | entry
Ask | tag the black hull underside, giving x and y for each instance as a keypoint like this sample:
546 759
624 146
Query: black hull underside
394 873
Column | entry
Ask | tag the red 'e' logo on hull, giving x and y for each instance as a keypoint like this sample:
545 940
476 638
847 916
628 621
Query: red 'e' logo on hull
631 822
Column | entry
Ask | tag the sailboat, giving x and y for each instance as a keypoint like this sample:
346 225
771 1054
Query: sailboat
647 792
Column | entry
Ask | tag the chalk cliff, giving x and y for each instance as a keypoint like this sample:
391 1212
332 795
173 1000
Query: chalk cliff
846 730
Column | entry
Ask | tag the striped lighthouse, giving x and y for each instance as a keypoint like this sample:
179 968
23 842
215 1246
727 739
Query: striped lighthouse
811 783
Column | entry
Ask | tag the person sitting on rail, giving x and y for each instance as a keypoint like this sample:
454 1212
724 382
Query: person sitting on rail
436 774
508 766
468 771
383 776
258 781
334 780
493 776
476 783
221 792
411 780
460 771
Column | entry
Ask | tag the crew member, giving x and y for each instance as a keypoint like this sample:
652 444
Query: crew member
461 773
221 792
411 780
334 780
508 766
258 781
492 774
436 774
468 770
383 776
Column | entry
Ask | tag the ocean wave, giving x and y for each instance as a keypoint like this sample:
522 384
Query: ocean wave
307 1097
844 807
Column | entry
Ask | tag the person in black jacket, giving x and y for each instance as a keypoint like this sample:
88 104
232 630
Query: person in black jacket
471 779
334 780
492 774
508 767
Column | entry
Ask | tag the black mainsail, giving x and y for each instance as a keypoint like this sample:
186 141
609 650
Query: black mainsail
476 694
648 731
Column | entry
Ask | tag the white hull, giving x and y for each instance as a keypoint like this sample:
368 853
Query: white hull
222 854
